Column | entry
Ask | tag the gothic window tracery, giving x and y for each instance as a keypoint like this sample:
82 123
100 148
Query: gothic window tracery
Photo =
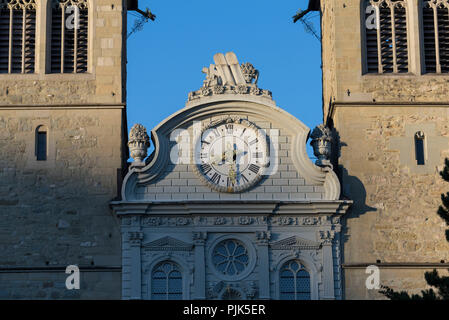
69 36
435 26
17 36
386 38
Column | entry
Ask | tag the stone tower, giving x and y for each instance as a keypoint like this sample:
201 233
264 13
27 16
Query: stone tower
385 94
63 145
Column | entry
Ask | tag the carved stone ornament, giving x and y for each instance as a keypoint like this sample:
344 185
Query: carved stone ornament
135 237
327 236
263 236
227 76
251 289
138 143
322 145
249 72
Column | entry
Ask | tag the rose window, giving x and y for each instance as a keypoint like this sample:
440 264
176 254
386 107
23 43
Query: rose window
230 257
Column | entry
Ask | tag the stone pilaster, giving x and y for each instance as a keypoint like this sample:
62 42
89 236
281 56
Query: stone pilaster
327 237
135 241
264 263
199 239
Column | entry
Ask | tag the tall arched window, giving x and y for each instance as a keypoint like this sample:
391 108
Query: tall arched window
435 24
386 40
69 36
166 282
17 36
294 282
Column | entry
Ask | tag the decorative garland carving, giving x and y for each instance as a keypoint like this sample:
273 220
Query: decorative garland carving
155 221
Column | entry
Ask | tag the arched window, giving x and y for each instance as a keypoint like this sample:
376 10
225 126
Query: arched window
420 154
17 36
166 282
386 40
41 143
435 24
294 281
69 36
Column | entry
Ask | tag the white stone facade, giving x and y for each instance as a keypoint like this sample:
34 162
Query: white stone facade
221 245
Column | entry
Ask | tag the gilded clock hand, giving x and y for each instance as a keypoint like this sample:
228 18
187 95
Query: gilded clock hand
232 175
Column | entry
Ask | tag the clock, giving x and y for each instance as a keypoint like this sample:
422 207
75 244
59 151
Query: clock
232 155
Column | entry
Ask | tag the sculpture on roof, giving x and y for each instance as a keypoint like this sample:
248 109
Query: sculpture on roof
227 76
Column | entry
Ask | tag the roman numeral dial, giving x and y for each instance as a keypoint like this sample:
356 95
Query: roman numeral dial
233 155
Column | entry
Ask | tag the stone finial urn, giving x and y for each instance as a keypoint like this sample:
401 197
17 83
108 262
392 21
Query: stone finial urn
322 145
138 143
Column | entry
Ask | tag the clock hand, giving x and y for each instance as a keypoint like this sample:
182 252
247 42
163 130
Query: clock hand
218 158
232 175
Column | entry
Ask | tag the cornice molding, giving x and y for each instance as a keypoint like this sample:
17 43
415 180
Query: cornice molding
231 207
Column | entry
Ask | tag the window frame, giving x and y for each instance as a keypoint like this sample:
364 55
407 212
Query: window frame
295 277
185 269
422 47
39 130
420 136
363 36
48 41
36 49
42 62
167 278
311 268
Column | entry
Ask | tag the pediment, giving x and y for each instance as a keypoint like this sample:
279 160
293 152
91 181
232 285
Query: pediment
229 90
168 244
294 242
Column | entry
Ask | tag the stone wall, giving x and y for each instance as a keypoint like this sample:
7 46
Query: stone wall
403 279
104 83
393 218
55 212
344 78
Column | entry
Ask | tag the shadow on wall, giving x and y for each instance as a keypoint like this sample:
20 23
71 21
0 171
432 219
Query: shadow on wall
351 186
352 189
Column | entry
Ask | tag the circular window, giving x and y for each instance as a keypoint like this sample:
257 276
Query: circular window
230 257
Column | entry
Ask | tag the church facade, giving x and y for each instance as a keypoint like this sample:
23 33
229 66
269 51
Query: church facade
228 205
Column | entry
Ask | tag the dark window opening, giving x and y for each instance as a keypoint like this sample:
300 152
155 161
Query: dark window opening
17 36
69 37
436 36
386 40
419 148
41 146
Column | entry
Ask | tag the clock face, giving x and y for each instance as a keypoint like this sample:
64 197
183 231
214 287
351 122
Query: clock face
233 155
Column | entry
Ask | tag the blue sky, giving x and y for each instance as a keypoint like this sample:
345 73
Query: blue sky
166 57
